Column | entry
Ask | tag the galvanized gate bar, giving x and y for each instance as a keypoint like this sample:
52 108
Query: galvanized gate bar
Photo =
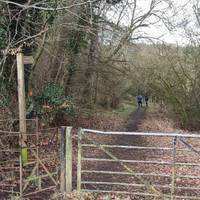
140 161
137 185
126 173
185 135
140 174
127 147
139 147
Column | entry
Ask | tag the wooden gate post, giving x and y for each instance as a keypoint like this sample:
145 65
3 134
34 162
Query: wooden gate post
22 106
68 160
62 160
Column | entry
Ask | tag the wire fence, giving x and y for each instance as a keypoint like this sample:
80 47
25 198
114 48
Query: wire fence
9 163
41 172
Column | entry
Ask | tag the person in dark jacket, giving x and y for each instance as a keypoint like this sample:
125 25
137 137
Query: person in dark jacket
139 100
146 98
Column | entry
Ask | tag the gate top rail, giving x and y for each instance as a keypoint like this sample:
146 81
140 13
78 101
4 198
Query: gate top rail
159 134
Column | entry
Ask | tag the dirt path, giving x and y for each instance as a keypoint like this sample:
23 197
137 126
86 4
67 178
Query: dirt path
135 119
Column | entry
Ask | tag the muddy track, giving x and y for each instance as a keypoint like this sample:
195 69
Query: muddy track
135 119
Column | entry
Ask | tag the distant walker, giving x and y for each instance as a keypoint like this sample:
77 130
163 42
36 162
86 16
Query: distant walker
139 100
146 98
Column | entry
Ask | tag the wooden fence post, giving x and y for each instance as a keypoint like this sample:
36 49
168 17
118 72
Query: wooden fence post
79 162
22 106
68 160
62 161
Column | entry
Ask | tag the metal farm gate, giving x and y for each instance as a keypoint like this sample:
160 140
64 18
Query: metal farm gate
143 165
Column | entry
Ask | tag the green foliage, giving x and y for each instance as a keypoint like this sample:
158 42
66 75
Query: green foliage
76 41
71 68
52 95
3 101
51 100
125 109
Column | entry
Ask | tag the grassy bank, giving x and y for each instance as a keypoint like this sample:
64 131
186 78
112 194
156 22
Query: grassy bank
125 110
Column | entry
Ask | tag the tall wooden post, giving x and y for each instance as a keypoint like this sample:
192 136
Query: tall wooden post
22 107
66 160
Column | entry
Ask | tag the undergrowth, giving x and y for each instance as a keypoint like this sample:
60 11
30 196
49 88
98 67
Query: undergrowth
125 109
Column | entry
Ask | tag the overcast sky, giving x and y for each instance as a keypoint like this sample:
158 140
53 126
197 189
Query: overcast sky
177 35
184 12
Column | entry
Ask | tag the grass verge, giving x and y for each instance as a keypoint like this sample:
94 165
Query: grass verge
125 110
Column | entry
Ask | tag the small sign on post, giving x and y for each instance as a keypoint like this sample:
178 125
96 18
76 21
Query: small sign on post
22 107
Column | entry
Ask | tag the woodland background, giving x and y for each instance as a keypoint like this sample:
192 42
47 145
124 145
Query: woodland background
91 55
